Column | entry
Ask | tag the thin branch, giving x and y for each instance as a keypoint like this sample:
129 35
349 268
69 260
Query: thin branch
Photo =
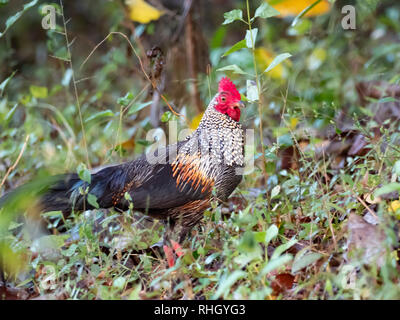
16 162
368 208
59 58
153 83
74 84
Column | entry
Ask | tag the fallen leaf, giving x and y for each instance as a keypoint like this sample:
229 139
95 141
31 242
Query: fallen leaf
8 293
366 242
282 283
142 12
289 8
394 206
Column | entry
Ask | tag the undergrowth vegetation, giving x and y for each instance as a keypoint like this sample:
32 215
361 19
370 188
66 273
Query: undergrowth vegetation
318 216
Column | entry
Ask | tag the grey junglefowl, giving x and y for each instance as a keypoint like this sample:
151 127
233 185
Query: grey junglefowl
175 183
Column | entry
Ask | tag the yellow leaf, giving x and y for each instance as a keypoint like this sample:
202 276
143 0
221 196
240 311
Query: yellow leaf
11 261
142 12
394 206
293 123
128 144
289 8
264 58
196 120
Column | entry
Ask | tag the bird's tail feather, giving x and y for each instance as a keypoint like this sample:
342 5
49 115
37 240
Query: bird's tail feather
69 193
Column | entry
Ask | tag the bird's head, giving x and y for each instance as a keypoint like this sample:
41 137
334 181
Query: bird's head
228 99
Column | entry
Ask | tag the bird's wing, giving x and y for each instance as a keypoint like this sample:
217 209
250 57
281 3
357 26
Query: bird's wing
164 185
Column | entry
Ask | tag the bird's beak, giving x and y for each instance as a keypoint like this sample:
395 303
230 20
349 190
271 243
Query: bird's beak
240 104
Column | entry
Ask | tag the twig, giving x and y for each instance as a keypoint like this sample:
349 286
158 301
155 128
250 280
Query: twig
368 208
74 84
154 85
187 5
131 25
16 162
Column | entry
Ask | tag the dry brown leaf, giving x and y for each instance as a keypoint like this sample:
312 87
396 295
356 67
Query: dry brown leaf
282 283
366 242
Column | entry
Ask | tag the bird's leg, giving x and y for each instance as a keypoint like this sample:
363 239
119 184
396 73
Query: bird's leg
170 246
169 254
177 248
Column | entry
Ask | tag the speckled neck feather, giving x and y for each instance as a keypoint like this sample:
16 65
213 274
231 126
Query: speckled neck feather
218 137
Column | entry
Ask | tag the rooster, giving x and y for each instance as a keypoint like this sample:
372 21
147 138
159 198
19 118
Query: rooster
205 166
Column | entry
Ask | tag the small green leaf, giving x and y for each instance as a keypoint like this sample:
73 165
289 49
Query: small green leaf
285 140
387 99
227 282
83 173
38 92
166 116
303 260
124 101
234 68
92 200
272 232
119 283
278 59
144 142
127 196
70 251
260 236
14 225
276 263
282 248
233 16
11 112
137 107
266 11
251 38
52 214
391 187
212 257
11 20
100 115
275 191
396 168
4 84
237 46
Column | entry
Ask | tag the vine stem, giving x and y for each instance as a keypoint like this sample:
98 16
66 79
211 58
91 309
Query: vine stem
16 161
74 84
260 99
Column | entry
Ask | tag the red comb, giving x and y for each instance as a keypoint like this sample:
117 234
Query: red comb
227 85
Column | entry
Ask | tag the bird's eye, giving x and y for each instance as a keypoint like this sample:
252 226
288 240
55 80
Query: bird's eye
223 98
